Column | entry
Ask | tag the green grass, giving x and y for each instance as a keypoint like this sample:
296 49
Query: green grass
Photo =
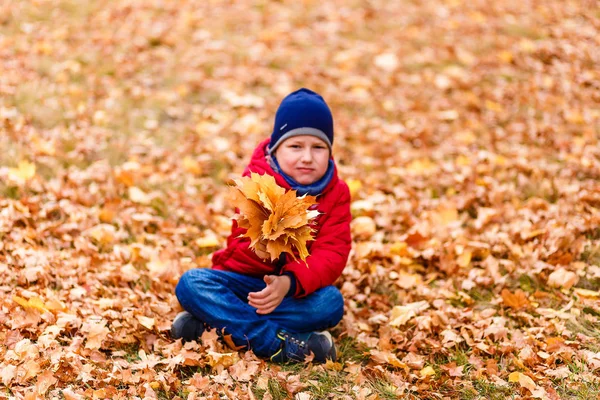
567 389
277 390
349 349
483 389
9 191
481 295
588 283
545 190
526 31
384 389
528 284
330 382
583 324
591 253
390 291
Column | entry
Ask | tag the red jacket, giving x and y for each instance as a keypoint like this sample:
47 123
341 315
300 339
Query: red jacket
328 252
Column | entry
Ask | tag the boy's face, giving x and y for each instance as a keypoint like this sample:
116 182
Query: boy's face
304 158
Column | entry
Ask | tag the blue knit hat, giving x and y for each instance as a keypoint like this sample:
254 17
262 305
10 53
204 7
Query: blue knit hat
302 112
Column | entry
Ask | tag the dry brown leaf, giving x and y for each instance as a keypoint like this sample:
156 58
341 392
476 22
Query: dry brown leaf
244 370
44 381
562 278
386 357
517 300
229 342
400 315
96 333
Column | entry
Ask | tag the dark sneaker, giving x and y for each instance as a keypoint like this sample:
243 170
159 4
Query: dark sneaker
186 327
296 346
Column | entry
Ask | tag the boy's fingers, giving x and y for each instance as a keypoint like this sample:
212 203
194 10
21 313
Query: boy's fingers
265 311
260 295
267 308
261 301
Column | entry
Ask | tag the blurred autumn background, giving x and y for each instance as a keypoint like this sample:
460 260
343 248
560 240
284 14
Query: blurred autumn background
468 133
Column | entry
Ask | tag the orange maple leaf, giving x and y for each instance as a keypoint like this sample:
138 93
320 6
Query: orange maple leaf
230 343
516 300
276 220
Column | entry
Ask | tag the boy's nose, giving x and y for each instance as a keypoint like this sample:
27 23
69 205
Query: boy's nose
306 156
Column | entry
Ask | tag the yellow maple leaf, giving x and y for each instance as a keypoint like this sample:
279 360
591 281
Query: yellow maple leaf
192 166
464 259
276 220
223 360
24 171
523 380
427 371
34 302
354 185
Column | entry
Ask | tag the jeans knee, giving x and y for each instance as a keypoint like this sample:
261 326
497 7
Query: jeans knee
335 302
338 301
190 281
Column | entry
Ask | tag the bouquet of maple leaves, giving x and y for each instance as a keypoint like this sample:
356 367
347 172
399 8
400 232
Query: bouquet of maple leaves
277 221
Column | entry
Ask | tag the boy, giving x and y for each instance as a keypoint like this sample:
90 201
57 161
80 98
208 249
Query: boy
279 308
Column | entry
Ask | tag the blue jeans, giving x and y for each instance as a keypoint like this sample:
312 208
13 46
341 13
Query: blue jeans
219 298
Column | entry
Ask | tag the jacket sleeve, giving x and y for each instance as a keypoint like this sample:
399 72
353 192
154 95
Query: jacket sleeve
328 252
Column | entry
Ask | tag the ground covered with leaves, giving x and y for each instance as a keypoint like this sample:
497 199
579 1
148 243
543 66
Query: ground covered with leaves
467 130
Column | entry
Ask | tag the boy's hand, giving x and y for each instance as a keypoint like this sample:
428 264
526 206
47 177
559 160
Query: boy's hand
270 297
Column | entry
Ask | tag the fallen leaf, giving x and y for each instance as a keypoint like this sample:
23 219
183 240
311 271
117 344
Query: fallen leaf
454 370
96 332
192 166
224 360
354 185
44 381
146 322
24 171
523 380
386 357
137 195
230 343
34 302
517 300
464 259
7 374
400 315
387 61
243 370
562 278
363 227
587 293
427 371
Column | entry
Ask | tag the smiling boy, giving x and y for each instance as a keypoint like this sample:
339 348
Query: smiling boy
279 309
